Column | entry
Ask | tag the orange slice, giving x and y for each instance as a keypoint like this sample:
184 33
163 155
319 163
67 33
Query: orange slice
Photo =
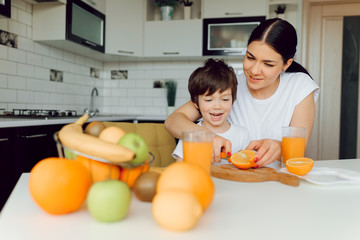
243 159
300 165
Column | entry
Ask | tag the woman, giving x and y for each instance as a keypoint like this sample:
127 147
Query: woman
273 91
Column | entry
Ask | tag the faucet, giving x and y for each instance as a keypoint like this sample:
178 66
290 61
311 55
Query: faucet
92 111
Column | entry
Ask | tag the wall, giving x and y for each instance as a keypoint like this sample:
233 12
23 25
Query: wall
25 76
136 94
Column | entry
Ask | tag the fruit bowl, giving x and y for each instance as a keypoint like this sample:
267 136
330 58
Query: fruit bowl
129 171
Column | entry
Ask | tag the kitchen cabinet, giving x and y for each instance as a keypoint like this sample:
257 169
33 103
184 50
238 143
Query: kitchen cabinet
124 27
21 148
5 8
30 145
5 177
50 27
234 8
173 38
153 11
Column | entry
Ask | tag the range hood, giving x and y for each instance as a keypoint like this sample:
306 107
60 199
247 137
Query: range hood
45 1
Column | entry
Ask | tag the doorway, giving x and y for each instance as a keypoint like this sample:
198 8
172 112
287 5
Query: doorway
332 57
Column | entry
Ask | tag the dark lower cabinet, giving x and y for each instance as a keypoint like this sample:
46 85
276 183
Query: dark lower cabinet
21 148
31 144
5 173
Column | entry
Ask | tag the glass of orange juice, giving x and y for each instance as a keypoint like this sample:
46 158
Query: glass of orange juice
293 143
197 148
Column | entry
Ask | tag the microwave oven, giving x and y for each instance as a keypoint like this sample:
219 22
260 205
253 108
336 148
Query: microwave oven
85 25
5 8
228 36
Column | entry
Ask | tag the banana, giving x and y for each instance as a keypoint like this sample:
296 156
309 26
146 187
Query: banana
72 136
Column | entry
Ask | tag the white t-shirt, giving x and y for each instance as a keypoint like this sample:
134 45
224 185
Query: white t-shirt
263 118
238 136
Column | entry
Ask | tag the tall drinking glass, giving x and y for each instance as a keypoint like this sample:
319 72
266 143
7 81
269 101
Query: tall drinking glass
197 148
293 143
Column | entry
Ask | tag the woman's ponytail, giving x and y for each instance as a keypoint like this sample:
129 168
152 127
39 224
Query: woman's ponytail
296 67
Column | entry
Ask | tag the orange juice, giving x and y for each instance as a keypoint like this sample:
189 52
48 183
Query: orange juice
292 147
199 153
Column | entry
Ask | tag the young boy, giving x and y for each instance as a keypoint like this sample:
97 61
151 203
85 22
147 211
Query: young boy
213 90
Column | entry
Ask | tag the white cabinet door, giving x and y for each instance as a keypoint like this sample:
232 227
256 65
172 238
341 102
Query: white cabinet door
173 38
124 27
234 8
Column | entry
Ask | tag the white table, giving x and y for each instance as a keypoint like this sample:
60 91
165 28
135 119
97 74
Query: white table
267 210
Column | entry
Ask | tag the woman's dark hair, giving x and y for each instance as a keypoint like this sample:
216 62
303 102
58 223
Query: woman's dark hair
215 75
281 36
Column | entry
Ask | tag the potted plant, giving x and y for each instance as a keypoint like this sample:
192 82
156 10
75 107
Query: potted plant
187 3
167 8
171 94
187 8
280 11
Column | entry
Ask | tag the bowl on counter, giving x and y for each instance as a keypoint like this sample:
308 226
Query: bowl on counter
128 171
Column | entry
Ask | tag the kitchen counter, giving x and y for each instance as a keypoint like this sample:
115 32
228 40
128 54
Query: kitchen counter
265 210
23 122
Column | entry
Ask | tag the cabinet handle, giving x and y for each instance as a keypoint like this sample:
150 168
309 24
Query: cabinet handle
4 139
89 43
34 136
171 53
233 13
127 52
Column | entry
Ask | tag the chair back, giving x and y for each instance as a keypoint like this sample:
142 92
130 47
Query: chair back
159 140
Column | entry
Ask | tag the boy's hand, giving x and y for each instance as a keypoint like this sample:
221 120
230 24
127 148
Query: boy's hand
220 144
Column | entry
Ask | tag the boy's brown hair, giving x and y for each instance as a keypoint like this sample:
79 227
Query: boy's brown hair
215 75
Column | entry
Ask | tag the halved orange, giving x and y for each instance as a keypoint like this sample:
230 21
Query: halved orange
300 165
243 159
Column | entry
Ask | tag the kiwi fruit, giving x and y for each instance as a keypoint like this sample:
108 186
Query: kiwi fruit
145 186
94 128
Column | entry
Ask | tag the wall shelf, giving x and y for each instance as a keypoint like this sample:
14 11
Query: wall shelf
277 2
153 11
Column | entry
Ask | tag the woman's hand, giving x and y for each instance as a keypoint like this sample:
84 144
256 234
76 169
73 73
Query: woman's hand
268 150
220 144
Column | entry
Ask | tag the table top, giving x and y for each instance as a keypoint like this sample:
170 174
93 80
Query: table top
265 210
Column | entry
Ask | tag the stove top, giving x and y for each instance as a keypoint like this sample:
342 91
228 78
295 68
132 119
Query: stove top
38 113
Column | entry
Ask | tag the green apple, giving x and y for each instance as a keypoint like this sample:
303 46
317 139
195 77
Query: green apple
137 144
109 201
68 154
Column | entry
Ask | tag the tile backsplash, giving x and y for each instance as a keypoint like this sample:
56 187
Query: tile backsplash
25 76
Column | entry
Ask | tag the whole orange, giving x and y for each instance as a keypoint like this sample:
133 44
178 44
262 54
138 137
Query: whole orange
99 171
129 175
59 186
188 177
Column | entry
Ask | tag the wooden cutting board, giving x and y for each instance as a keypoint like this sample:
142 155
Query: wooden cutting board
230 172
